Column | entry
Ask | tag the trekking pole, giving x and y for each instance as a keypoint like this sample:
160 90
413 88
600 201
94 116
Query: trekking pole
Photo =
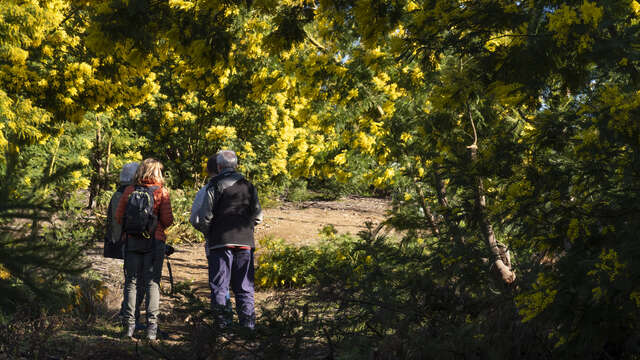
168 251
170 275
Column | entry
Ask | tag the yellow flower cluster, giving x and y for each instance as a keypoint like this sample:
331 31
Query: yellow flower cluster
4 274
385 177
181 4
562 20
341 158
609 264
533 303
220 132
635 7
78 181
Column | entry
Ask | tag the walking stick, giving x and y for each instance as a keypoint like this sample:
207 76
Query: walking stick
170 275
168 251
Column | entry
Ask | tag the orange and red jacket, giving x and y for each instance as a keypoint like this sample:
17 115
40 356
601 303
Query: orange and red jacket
161 208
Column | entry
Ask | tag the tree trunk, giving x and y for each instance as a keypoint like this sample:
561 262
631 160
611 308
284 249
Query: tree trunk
441 192
431 219
441 189
105 177
54 156
96 162
501 257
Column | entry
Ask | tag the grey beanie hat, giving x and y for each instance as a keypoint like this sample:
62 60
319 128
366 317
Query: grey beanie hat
128 172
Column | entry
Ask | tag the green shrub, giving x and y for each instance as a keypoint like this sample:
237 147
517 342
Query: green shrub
298 191
281 265
374 296
182 232
90 294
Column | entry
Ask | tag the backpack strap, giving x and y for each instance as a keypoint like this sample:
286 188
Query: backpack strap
154 224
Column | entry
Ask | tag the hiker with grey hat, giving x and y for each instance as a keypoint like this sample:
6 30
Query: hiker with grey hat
228 216
113 243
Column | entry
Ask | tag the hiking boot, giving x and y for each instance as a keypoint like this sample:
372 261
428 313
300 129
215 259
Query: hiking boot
248 322
129 330
152 331
222 316
223 321
222 324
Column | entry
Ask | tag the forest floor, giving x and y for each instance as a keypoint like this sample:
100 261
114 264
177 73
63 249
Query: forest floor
297 223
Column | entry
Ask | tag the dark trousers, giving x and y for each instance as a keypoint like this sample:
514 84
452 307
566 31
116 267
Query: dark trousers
233 267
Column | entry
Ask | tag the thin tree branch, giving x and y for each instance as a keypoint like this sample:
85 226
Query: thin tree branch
315 42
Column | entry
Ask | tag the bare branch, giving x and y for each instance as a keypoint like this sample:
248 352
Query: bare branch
315 42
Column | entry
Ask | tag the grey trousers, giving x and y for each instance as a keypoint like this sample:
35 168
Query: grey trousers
140 291
150 266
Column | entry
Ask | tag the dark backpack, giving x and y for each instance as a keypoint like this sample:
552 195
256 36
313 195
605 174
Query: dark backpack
139 220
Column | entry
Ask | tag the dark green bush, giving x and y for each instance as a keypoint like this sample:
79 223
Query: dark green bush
378 297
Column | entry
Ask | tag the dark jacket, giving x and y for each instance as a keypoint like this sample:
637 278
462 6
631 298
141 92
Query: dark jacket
112 243
230 211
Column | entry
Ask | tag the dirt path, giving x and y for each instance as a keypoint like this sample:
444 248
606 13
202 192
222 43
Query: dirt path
297 223
300 223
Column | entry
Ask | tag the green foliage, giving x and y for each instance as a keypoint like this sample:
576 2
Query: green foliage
328 231
182 232
281 265
37 256
298 191
89 300
373 296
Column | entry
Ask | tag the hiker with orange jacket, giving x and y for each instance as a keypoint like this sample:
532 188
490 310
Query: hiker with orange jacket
145 212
